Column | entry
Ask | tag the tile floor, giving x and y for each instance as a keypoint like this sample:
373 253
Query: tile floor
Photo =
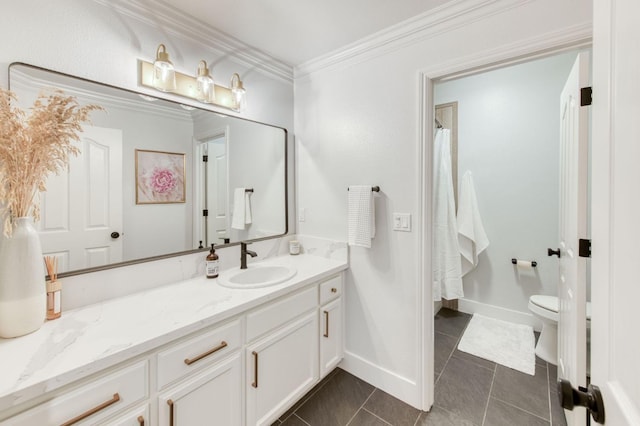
469 391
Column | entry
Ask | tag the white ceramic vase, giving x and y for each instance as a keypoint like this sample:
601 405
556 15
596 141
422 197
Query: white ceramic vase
23 300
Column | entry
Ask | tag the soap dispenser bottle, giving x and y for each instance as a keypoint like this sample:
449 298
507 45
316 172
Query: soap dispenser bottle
212 264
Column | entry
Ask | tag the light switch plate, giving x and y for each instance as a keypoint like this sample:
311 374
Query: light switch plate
302 214
402 222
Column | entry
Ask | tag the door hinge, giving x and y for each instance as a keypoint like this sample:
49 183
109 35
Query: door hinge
205 158
584 248
585 96
205 212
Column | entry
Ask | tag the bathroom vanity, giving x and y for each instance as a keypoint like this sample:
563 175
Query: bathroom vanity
189 353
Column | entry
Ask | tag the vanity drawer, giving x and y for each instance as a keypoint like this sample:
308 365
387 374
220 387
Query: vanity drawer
278 313
199 351
330 289
91 403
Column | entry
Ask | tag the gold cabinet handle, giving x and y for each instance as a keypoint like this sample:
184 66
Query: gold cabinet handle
334 290
222 345
326 324
141 420
116 398
255 369
171 409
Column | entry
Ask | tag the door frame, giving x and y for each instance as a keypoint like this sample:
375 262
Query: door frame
562 41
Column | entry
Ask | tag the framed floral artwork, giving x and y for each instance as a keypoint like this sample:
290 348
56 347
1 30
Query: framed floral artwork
160 177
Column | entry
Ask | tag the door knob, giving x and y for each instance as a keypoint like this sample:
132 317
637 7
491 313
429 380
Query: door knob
552 252
115 235
590 398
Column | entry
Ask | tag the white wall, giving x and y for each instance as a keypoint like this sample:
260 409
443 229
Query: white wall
508 137
357 121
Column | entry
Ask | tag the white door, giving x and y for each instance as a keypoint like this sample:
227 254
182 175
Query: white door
217 191
212 397
615 339
574 145
81 208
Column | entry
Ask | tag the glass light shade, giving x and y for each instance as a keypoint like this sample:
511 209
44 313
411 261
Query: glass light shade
238 92
164 75
206 90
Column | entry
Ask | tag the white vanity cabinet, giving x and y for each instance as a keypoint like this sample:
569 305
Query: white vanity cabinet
245 369
211 397
331 325
281 364
91 402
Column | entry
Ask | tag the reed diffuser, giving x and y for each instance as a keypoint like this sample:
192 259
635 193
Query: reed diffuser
53 288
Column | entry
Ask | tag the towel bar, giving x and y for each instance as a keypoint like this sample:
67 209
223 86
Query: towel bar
248 190
373 188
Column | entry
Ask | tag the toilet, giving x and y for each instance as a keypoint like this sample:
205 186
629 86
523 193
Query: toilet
545 308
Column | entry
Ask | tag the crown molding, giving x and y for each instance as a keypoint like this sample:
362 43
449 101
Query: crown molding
451 15
159 14
38 85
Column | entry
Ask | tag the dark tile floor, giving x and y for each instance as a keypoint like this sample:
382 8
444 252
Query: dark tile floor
469 391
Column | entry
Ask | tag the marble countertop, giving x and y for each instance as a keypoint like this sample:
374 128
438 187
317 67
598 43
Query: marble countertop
89 339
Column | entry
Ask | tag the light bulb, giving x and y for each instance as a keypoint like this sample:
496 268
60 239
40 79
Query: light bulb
239 93
164 75
206 89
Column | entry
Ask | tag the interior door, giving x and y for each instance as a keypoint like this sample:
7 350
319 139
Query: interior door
217 188
615 346
83 207
574 145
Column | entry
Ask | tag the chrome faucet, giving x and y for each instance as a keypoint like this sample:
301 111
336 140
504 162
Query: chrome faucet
243 254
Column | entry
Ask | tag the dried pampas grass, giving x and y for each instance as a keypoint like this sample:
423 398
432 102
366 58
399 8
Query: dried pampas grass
33 147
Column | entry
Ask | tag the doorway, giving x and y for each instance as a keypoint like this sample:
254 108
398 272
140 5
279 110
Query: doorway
509 131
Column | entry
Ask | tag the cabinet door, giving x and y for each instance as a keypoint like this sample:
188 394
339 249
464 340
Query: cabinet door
280 369
331 344
213 397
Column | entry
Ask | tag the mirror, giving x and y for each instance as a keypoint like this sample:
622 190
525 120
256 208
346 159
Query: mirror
155 178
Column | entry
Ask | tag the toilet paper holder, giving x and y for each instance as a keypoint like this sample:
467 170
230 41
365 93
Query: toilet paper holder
532 263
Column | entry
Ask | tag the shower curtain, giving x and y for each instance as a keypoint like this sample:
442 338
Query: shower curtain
447 272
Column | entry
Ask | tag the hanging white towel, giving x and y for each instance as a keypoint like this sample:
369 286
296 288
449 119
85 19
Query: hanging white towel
447 275
472 238
361 218
241 209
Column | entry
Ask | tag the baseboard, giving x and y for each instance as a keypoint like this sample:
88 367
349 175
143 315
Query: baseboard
400 387
472 307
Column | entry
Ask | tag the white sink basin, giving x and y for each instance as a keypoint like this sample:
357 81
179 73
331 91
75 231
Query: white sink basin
256 276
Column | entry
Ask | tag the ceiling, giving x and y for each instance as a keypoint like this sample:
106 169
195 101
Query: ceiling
296 31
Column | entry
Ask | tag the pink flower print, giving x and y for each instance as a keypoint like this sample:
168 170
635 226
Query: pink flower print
162 180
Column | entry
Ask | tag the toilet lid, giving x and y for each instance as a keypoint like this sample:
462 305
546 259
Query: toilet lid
550 303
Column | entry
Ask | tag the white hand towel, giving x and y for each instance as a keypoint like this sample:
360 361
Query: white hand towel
447 276
361 216
472 238
241 209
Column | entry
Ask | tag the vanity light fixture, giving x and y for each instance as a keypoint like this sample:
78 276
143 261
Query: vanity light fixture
239 94
206 90
162 76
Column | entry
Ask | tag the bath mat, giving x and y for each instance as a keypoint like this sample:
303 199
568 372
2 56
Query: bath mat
505 343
